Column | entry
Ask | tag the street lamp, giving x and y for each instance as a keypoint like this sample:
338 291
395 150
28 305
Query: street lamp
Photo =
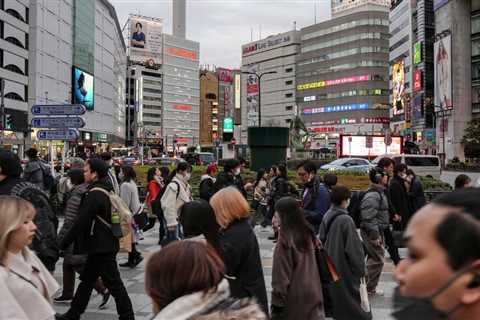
259 77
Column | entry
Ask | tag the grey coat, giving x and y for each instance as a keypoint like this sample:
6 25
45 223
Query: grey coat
374 210
33 173
345 248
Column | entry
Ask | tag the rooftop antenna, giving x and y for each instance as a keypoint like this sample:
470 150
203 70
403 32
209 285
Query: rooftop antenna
315 11
251 34
294 25
260 32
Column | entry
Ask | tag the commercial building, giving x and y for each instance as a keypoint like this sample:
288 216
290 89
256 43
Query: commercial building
346 7
77 55
14 63
208 107
342 76
277 91
457 72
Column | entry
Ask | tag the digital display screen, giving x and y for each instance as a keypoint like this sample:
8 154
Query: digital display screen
355 146
83 88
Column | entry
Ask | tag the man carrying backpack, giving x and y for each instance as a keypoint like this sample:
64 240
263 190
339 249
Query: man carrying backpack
45 241
207 182
95 238
374 221
38 172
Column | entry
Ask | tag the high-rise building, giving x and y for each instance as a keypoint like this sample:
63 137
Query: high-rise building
342 76
208 108
14 59
276 53
345 7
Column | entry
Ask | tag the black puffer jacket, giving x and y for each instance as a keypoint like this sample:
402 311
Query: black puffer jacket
226 179
90 235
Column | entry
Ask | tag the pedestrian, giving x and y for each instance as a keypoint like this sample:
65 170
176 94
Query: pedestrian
177 193
388 166
316 199
259 203
153 188
112 178
129 195
199 222
75 262
38 172
230 176
399 197
440 277
463 181
161 179
240 249
296 283
45 242
375 219
197 290
64 185
100 245
27 287
207 182
340 238
330 180
416 193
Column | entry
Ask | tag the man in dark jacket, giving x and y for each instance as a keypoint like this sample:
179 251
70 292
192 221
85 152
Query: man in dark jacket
96 240
399 196
37 172
316 198
230 177
112 178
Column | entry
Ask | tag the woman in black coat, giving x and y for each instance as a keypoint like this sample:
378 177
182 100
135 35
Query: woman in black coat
239 246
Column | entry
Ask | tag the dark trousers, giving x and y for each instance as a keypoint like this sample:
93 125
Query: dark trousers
104 266
69 279
391 248
162 231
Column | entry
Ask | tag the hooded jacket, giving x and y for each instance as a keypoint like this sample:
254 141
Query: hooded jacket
34 172
171 203
374 211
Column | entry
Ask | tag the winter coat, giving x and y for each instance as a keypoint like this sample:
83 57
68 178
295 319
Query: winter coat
19 297
153 188
207 184
416 195
280 189
171 203
316 202
33 172
296 284
227 179
129 195
241 253
374 212
400 201
260 192
345 248
214 305
91 236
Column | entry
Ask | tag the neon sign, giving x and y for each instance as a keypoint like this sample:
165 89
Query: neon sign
326 83
337 108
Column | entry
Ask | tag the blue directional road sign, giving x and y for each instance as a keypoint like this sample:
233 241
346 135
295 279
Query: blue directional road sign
58 122
58 110
68 134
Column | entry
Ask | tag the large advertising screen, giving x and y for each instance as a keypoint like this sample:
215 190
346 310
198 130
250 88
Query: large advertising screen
146 41
355 146
398 87
252 96
82 88
443 72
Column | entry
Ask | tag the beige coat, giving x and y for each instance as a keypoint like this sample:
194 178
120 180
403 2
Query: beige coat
19 299
171 204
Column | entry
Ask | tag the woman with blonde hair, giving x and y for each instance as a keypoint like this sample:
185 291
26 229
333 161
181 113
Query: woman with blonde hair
239 246
27 286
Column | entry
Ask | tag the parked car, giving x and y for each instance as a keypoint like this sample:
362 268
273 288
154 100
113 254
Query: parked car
130 161
199 158
422 165
348 164
166 162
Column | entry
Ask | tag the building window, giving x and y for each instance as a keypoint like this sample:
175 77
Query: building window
476 24
288 70
476 71
14 68
475 47
15 14
288 95
15 41
289 108
289 82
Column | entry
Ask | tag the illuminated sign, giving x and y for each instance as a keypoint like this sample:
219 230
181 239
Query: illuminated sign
311 98
417 80
227 125
266 44
369 120
237 91
225 75
356 146
182 53
417 53
398 87
184 107
338 108
326 83
326 129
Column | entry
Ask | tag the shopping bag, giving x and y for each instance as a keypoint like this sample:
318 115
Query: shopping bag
364 302
126 243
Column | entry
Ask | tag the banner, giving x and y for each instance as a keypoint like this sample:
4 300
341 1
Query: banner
398 87
225 75
252 96
146 41
443 72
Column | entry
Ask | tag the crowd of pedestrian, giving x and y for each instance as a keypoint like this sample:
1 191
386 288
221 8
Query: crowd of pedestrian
328 258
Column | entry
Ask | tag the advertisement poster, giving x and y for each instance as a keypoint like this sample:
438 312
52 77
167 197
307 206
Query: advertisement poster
417 80
225 75
355 146
237 91
398 85
252 96
417 53
146 41
228 125
83 88
443 72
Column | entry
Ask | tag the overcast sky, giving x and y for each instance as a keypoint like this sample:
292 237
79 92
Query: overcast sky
222 26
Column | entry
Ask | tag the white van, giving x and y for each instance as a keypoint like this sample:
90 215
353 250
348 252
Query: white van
422 165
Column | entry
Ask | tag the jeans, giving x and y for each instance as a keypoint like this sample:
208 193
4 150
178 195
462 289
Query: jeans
104 266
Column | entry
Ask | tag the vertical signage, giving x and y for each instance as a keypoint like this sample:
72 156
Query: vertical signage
237 91
442 53
417 53
417 80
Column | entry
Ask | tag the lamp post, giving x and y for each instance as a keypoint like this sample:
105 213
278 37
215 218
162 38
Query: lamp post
259 77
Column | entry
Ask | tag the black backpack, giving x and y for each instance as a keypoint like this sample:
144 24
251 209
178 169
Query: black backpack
45 241
206 189
157 203
355 204
47 178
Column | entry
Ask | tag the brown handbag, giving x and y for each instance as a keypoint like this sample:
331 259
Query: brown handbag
326 267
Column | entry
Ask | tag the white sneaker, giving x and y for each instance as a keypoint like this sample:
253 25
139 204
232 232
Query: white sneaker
377 292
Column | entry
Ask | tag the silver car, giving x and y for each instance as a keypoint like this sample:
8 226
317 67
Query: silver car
348 164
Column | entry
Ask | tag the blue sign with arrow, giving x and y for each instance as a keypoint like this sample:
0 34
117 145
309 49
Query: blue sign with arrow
58 110
58 122
68 134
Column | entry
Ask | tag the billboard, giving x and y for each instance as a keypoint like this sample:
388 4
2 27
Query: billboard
225 75
417 80
228 125
252 96
325 83
355 146
82 88
417 53
146 41
182 53
443 72
398 87
237 91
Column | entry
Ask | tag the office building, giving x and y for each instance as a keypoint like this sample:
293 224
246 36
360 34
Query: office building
277 54
346 7
77 55
14 59
342 76
208 107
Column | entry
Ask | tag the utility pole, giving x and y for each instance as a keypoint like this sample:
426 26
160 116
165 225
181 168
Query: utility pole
2 109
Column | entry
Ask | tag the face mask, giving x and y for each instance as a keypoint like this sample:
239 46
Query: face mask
188 176
422 308
237 171
348 203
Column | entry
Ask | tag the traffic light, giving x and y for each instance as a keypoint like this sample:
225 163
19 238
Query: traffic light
9 122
